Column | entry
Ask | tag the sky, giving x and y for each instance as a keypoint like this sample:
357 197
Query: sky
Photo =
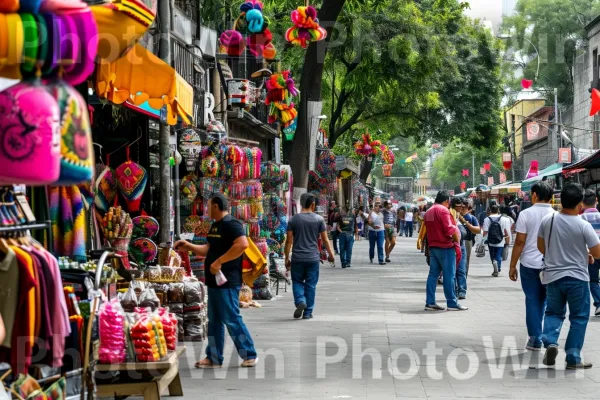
488 10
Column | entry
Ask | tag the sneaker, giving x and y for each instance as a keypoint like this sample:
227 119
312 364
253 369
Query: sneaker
348 266
381 263
343 266
597 313
495 265
434 307
532 346
581 365
462 297
458 308
299 310
307 316
550 356
371 260
251 363
387 260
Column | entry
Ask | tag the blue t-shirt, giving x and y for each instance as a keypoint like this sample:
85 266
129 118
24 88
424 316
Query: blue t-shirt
473 221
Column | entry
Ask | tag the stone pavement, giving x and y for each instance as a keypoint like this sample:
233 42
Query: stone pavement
371 339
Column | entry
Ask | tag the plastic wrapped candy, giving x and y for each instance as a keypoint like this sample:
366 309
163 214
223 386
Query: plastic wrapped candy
153 274
144 338
193 293
111 321
175 294
169 323
149 299
129 301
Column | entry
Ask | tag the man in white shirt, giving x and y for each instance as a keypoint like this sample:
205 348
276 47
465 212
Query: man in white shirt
376 236
525 249
408 222
496 229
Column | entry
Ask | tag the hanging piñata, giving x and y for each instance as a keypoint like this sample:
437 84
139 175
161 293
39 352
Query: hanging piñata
306 27
367 146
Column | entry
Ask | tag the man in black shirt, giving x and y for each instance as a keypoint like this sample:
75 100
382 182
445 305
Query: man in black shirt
226 244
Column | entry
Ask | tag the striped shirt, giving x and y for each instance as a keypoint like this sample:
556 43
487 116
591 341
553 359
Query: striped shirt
592 216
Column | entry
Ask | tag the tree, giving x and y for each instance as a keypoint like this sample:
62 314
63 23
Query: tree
555 27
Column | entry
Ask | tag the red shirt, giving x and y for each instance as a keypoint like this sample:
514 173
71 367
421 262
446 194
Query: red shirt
440 227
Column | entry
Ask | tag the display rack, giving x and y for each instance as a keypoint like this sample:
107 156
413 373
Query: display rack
31 227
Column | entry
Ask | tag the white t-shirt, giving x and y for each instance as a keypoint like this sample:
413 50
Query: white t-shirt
505 224
529 223
376 220
408 217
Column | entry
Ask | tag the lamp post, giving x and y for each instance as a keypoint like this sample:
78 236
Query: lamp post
504 36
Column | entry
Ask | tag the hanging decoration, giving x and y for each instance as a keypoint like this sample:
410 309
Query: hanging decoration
326 166
465 172
388 155
232 43
490 180
463 185
131 181
281 89
482 171
487 166
502 177
506 161
533 169
189 146
595 102
387 169
367 146
526 83
306 27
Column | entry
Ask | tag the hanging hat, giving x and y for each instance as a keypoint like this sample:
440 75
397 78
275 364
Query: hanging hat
29 139
106 189
77 154
131 181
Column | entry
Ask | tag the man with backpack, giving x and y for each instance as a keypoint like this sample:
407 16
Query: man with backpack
227 242
496 229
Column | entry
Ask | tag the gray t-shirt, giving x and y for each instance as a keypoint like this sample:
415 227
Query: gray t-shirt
306 228
347 222
389 217
567 249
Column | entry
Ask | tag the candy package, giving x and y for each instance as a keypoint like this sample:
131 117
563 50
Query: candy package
111 321
153 274
144 338
194 292
129 300
149 299
175 294
169 323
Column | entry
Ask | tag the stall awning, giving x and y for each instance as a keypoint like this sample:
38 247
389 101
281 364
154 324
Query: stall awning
554 169
506 188
141 77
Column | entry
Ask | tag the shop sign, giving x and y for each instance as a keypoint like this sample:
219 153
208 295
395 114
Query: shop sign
564 155
209 106
533 131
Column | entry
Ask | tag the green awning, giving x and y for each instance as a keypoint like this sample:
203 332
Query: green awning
554 169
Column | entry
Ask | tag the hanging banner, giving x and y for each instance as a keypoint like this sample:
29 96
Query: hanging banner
533 169
487 165
465 172
564 155
482 171
533 131
506 157
502 177
490 180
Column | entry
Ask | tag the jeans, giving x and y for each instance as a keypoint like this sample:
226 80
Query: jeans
376 237
535 303
442 261
334 238
468 247
401 225
496 255
305 276
346 244
224 310
461 273
408 228
576 294
594 270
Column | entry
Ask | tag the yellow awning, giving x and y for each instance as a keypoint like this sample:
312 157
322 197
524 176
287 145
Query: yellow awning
140 76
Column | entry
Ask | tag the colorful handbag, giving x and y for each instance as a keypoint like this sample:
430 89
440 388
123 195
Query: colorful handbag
29 135
106 188
131 181
77 154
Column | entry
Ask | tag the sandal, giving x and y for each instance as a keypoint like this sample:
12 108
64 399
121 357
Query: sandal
206 363
250 363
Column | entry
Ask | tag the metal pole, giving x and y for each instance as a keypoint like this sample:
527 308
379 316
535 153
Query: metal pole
164 13
473 172
555 138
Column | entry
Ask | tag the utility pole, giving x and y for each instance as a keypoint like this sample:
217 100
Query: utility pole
164 52
556 131
473 172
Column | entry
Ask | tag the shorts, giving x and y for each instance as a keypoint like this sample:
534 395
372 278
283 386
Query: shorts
390 233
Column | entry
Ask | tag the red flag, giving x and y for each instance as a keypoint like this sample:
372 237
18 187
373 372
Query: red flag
465 172
533 169
463 185
526 84
487 165
595 102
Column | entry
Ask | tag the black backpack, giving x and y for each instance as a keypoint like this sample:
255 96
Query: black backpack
495 234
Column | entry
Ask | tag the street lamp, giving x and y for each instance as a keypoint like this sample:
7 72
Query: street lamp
504 36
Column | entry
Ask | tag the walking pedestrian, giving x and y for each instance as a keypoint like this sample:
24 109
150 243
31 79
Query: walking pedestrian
496 229
303 233
408 222
376 235
348 230
531 260
389 223
441 236
331 224
473 229
226 244
568 244
591 215
469 227
360 222
401 220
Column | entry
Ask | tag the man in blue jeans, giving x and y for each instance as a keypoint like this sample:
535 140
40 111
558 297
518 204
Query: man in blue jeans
348 230
226 243
591 215
525 250
568 244
304 231
496 230
442 233
376 233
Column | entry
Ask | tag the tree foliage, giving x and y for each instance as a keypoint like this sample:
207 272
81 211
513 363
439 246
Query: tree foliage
556 28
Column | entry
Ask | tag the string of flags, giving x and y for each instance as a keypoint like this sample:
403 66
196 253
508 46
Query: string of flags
409 159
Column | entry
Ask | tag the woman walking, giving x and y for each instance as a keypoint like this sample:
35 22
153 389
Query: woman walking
376 235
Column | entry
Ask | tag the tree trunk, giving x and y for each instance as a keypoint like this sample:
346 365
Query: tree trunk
310 90
365 169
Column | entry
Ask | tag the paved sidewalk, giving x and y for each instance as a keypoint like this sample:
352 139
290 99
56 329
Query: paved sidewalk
371 338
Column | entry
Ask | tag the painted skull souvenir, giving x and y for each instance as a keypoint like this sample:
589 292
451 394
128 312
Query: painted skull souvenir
29 135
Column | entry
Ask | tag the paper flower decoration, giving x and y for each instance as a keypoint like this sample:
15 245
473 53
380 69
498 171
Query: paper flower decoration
232 43
367 146
388 156
257 44
210 166
281 87
306 27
